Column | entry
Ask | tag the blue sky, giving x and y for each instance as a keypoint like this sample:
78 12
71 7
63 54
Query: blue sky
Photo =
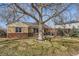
72 9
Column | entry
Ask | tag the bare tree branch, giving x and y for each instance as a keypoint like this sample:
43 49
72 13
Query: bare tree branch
26 12
56 14
19 17
36 9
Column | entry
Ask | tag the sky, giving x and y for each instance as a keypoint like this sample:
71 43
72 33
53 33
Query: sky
72 9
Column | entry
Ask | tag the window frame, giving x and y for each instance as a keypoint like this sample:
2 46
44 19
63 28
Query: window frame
18 29
35 30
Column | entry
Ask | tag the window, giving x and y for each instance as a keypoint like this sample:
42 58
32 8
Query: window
35 30
18 29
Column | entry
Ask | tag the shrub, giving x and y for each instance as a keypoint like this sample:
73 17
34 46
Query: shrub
74 33
2 33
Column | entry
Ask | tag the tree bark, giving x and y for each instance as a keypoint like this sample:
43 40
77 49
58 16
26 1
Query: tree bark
40 32
40 25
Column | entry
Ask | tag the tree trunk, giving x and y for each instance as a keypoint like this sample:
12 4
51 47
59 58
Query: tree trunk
40 26
40 32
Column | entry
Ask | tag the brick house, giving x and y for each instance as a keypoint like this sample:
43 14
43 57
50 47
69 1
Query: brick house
67 27
24 30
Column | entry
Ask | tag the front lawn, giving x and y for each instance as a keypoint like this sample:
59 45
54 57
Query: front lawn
32 47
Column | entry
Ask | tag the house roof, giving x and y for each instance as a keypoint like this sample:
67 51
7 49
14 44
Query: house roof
70 25
68 22
26 23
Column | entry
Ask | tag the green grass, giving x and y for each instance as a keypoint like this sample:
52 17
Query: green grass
32 47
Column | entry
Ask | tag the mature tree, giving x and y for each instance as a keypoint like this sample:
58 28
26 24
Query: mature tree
41 13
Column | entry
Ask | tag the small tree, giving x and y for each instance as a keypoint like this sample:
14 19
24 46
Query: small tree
62 21
75 32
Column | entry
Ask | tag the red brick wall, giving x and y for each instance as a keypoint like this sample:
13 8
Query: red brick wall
17 35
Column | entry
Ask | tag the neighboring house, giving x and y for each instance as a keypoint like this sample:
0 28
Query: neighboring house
68 25
24 30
